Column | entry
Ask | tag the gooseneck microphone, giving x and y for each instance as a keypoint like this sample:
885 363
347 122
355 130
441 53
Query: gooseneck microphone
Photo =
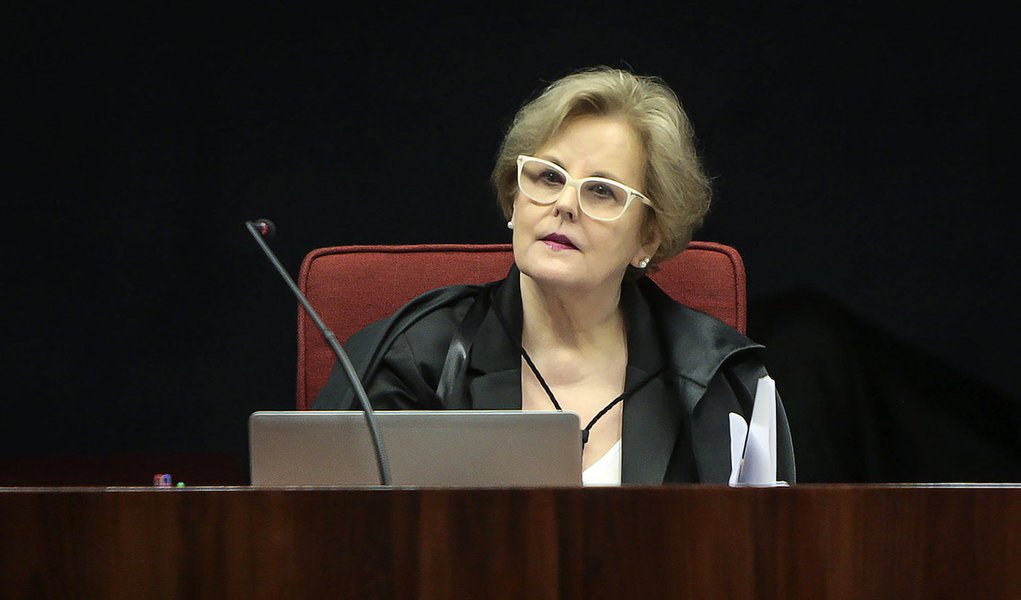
264 228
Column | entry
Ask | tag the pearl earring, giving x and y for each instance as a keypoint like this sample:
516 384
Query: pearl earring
643 263
510 224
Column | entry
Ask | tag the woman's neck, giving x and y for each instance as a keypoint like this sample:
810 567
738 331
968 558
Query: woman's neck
568 319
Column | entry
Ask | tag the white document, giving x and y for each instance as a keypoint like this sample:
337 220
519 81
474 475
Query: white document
753 446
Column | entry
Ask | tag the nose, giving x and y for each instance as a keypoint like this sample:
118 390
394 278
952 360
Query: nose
567 203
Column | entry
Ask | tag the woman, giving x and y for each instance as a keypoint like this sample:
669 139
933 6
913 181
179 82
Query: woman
600 181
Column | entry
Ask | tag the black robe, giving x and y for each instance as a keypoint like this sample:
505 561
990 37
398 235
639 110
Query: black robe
686 372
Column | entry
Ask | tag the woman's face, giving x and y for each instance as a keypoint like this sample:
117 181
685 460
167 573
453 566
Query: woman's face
595 253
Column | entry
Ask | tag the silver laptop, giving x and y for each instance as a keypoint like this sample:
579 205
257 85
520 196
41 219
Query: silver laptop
425 448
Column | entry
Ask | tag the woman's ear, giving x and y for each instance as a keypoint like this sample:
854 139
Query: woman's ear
650 242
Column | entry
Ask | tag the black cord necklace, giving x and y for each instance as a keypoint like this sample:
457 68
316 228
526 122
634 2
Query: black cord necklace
535 371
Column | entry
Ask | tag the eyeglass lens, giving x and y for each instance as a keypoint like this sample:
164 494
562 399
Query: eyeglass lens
598 198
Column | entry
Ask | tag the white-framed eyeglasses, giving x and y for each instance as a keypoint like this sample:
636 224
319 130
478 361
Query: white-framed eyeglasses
600 198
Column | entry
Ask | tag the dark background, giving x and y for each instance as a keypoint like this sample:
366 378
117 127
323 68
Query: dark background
861 157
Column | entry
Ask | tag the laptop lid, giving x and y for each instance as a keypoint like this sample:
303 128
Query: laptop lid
425 448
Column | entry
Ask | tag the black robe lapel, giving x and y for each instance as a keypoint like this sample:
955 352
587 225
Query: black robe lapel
652 416
495 362
496 391
689 347
652 421
710 429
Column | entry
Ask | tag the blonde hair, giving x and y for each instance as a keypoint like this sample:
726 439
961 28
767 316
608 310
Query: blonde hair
675 181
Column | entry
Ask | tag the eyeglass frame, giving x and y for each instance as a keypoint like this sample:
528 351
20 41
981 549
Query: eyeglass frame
632 193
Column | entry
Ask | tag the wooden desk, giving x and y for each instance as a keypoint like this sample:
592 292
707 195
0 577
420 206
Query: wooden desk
703 542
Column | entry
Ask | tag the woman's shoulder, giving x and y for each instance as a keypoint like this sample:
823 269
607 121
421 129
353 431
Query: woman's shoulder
411 339
425 323
434 310
697 344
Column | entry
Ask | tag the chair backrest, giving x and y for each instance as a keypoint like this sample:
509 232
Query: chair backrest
352 286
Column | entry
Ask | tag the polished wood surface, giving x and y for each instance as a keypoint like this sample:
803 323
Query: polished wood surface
670 542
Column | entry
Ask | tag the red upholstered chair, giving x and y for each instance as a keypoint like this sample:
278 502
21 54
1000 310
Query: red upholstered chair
352 286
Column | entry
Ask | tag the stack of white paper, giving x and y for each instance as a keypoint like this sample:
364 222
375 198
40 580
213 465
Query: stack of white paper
753 447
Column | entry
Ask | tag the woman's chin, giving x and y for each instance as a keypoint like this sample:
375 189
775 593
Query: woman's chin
552 272
559 275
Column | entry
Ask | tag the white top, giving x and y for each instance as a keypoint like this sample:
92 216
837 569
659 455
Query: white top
606 470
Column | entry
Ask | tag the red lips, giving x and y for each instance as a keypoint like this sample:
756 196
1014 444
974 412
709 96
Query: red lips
558 240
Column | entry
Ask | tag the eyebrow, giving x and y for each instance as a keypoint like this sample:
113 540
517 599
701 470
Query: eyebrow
558 163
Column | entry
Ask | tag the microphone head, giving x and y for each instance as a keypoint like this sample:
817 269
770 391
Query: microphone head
265 227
